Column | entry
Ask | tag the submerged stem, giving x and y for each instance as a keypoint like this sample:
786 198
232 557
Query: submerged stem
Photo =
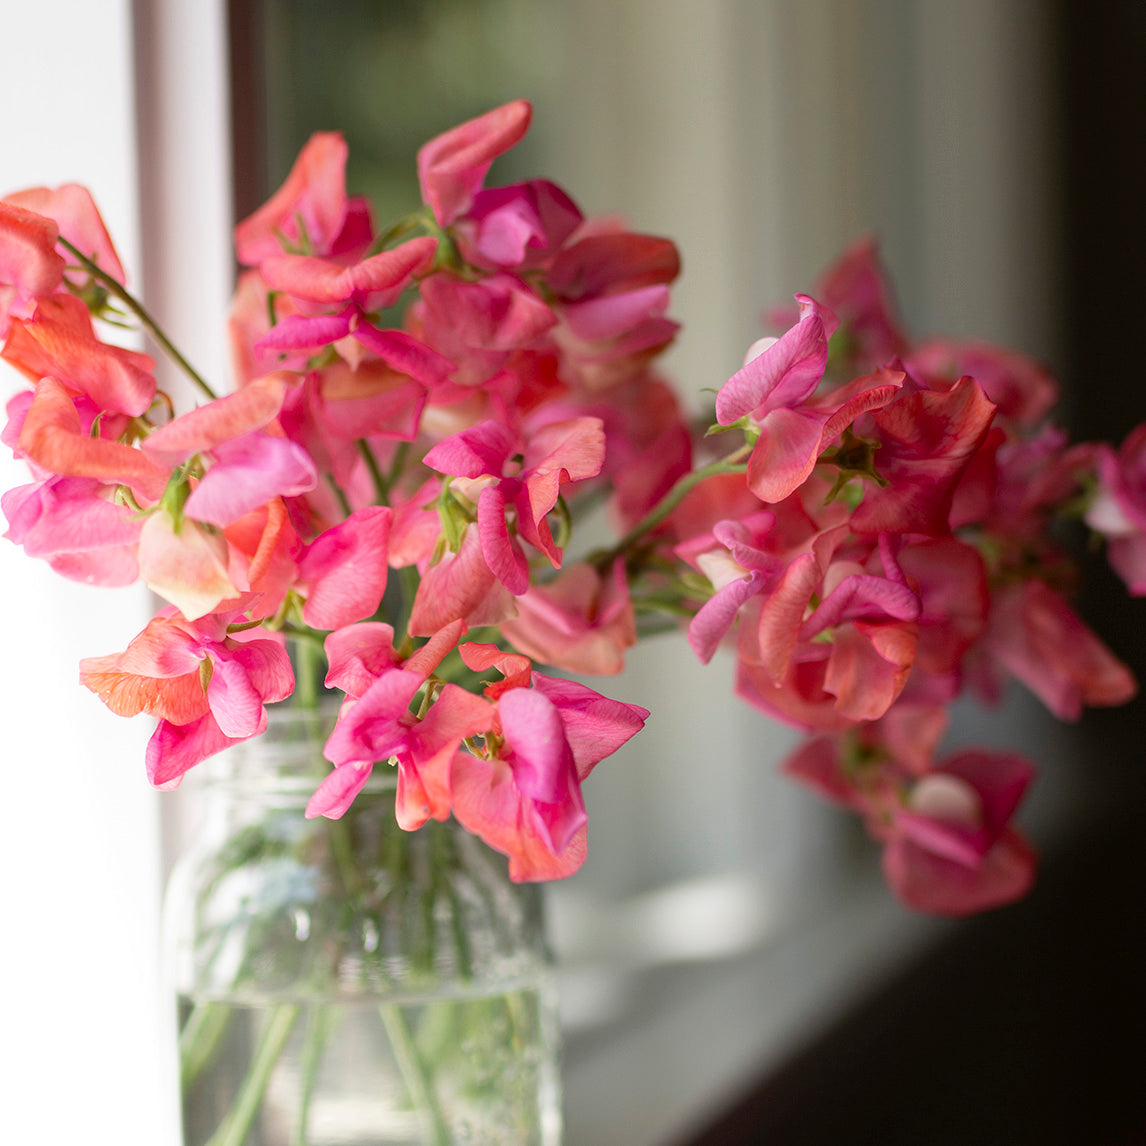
414 1074
234 1128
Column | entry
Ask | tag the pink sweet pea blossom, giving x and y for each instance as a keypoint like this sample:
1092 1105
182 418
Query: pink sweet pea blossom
522 794
30 267
342 573
75 524
1039 639
250 463
310 207
71 206
376 724
555 453
1118 510
951 850
581 621
926 440
207 688
453 166
517 227
59 341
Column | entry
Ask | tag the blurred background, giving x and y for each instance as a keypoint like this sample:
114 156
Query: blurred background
730 956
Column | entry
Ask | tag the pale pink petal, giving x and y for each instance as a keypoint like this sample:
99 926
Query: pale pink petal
248 473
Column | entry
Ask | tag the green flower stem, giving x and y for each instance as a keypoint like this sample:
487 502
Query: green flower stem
136 307
381 488
199 1039
413 1072
318 1030
237 1124
728 465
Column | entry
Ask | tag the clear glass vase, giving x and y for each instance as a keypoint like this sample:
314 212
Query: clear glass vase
346 983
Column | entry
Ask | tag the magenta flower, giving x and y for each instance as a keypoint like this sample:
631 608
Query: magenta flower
556 453
522 794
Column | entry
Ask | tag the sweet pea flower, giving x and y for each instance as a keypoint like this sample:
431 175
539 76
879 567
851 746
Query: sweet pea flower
206 687
59 341
452 166
75 525
518 227
774 391
480 325
342 573
1036 636
309 208
926 439
74 210
376 724
1118 508
556 453
30 267
56 435
581 621
522 793
951 849
249 464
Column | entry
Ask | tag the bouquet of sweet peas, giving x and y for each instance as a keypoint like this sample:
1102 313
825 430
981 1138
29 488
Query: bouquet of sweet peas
421 416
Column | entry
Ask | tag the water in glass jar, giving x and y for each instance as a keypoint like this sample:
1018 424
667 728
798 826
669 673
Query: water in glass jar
461 1069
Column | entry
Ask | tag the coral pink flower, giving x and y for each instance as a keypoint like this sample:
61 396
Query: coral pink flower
250 464
79 220
580 621
556 453
55 438
376 724
927 439
774 390
453 165
30 268
310 207
479 325
59 341
207 688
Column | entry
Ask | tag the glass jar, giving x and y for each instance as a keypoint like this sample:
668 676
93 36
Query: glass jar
346 983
